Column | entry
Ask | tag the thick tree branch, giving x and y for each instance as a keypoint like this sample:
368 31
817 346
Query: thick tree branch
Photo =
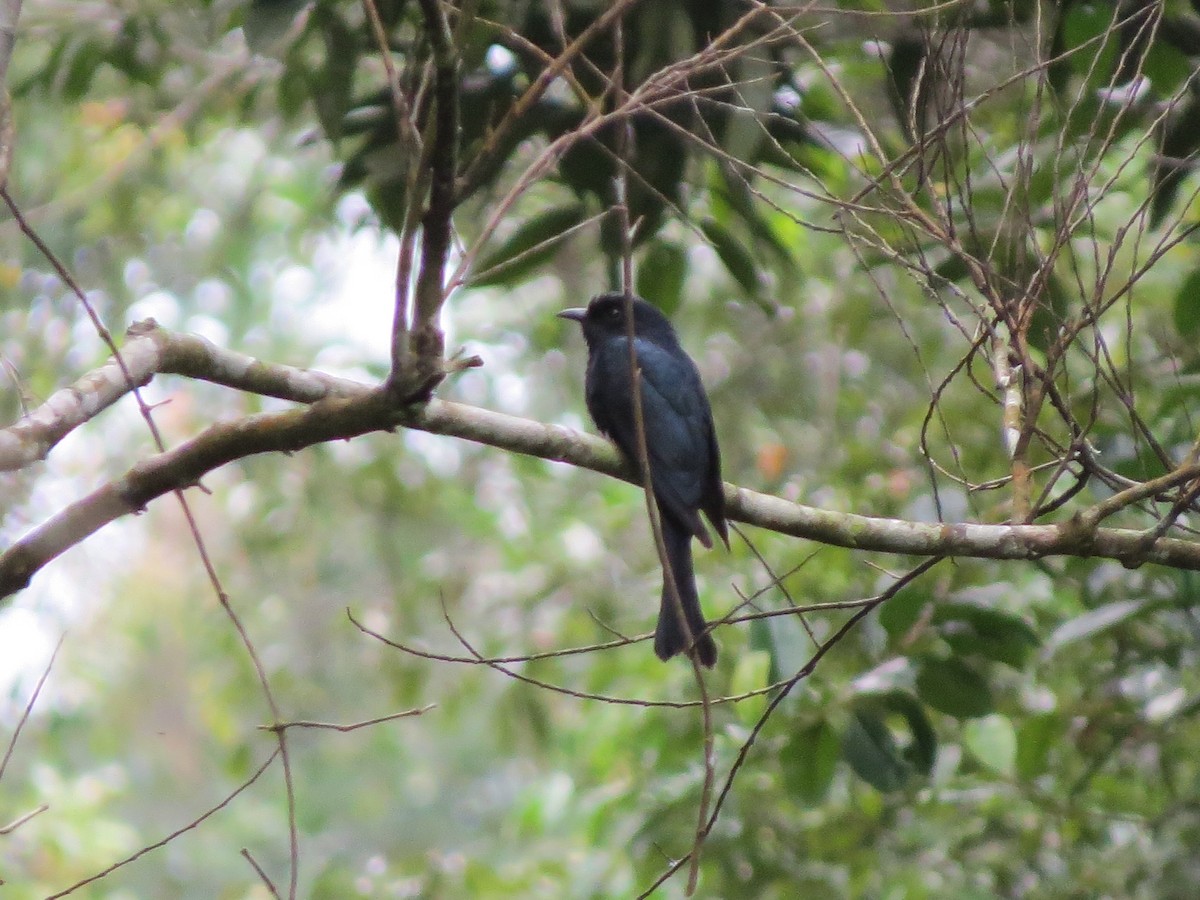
183 467
150 350
341 409
417 341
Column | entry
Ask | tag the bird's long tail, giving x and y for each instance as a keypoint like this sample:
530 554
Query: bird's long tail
671 637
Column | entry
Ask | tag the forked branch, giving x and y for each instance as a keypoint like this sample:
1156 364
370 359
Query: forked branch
341 409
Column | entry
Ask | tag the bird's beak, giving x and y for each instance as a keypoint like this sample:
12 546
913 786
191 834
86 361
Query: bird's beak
576 314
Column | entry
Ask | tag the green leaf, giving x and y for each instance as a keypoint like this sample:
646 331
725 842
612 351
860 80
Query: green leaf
1167 68
736 258
999 636
135 50
871 746
921 750
872 752
1180 142
1050 314
954 688
732 196
1059 71
901 612
533 243
744 131
661 274
820 101
85 60
586 168
1087 33
993 742
1094 622
333 84
292 89
909 82
768 635
268 21
952 269
809 761
1187 306
751 674
1035 738
760 637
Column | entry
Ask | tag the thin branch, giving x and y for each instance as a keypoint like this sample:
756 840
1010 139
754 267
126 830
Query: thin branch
500 664
807 669
262 876
21 820
496 138
353 726
96 514
728 619
182 467
37 690
1154 488
174 834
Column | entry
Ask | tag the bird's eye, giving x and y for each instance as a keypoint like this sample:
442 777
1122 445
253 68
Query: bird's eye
614 312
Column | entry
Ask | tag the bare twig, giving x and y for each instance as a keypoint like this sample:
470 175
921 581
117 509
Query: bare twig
182 467
37 690
21 820
780 696
501 665
96 515
174 834
262 876
495 139
353 726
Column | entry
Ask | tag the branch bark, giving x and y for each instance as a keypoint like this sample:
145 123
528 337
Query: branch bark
417 341
10 11
150 350
340 409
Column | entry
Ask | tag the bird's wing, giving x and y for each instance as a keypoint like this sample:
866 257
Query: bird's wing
678 433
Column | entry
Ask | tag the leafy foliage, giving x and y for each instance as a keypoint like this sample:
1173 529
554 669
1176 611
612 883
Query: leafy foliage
994 729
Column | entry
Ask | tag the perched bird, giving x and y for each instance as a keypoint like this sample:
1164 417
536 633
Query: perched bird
685 465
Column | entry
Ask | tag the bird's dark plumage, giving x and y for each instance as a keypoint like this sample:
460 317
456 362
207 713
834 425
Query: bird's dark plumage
685 464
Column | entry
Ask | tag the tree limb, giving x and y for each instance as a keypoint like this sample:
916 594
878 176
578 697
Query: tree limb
339 409
417 341
150 350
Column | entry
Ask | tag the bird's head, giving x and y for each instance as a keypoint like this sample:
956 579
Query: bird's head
605 317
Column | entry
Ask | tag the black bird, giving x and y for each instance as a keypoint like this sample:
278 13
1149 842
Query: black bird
685 464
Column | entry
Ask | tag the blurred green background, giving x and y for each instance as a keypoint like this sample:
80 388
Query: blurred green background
230 168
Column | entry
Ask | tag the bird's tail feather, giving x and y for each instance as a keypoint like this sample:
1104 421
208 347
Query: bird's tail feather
671 637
